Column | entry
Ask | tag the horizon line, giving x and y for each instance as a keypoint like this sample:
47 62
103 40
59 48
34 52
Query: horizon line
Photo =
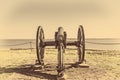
67 38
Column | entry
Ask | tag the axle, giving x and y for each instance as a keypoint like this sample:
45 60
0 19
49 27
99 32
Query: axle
68 43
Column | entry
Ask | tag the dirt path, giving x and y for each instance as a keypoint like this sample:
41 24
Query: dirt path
18 65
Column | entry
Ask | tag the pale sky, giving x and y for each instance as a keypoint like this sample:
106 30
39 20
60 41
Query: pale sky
20 18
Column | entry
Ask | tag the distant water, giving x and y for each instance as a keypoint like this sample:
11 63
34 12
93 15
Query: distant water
91 43
16 43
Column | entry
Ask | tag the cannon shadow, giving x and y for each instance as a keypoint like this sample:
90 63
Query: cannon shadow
28 71
50 72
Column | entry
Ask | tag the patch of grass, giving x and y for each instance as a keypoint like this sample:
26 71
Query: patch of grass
104 64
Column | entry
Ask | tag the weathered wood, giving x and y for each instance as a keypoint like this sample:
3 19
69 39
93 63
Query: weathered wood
68 43
49 43
71 43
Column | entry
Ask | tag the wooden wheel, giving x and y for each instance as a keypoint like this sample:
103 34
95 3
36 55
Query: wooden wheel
39 45
81 44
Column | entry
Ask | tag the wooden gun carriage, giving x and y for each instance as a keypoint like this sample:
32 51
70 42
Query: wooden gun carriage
60 42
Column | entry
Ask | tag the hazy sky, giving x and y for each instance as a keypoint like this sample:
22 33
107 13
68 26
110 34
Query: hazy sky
20 18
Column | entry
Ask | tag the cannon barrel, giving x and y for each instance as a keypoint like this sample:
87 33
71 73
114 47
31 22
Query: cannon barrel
60 34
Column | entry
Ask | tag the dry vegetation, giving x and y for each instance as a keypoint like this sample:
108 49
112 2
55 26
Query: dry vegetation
16 65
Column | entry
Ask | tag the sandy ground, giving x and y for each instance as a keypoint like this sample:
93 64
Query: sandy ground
18 65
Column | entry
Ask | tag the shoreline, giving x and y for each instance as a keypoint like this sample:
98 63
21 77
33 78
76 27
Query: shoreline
66 49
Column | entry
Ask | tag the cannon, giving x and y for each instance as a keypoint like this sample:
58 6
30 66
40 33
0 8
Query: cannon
60 42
